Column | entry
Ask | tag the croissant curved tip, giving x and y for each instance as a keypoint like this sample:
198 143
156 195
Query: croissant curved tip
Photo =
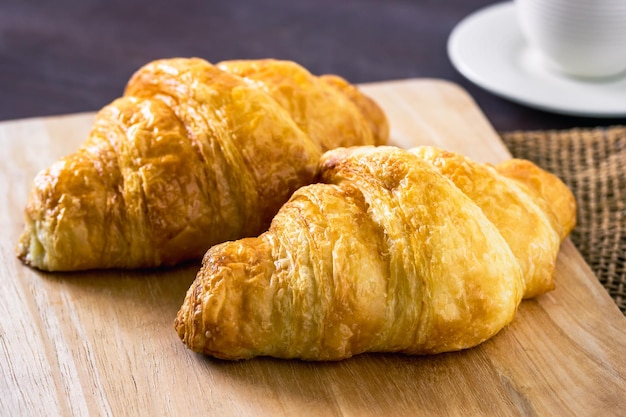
29 249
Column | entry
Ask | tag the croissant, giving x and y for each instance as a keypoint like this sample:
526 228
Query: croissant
393 251
192 155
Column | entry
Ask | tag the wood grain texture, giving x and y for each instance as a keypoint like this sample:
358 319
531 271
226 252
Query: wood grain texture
102 342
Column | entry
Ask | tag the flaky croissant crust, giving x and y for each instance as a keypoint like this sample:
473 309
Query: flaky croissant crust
396 251
192 155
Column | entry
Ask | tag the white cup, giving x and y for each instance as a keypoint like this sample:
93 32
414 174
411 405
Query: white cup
584 38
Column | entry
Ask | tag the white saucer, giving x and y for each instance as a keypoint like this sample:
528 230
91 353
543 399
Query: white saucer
487 47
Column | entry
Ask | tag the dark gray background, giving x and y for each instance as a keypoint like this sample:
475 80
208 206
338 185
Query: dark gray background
65 56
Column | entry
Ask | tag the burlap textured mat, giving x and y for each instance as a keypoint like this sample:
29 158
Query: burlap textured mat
592 162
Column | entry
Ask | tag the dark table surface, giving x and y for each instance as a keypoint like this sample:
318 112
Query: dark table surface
67 56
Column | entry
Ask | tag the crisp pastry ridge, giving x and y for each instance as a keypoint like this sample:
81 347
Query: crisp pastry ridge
386 254
191 155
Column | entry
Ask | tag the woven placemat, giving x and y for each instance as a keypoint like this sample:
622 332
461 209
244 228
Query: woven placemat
592 162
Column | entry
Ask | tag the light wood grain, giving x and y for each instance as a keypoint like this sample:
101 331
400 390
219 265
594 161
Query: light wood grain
102 343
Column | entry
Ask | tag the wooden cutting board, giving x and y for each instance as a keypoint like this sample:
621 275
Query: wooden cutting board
102 343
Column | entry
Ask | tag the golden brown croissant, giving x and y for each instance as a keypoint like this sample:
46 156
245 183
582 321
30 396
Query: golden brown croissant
386 254
532 224
192 155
